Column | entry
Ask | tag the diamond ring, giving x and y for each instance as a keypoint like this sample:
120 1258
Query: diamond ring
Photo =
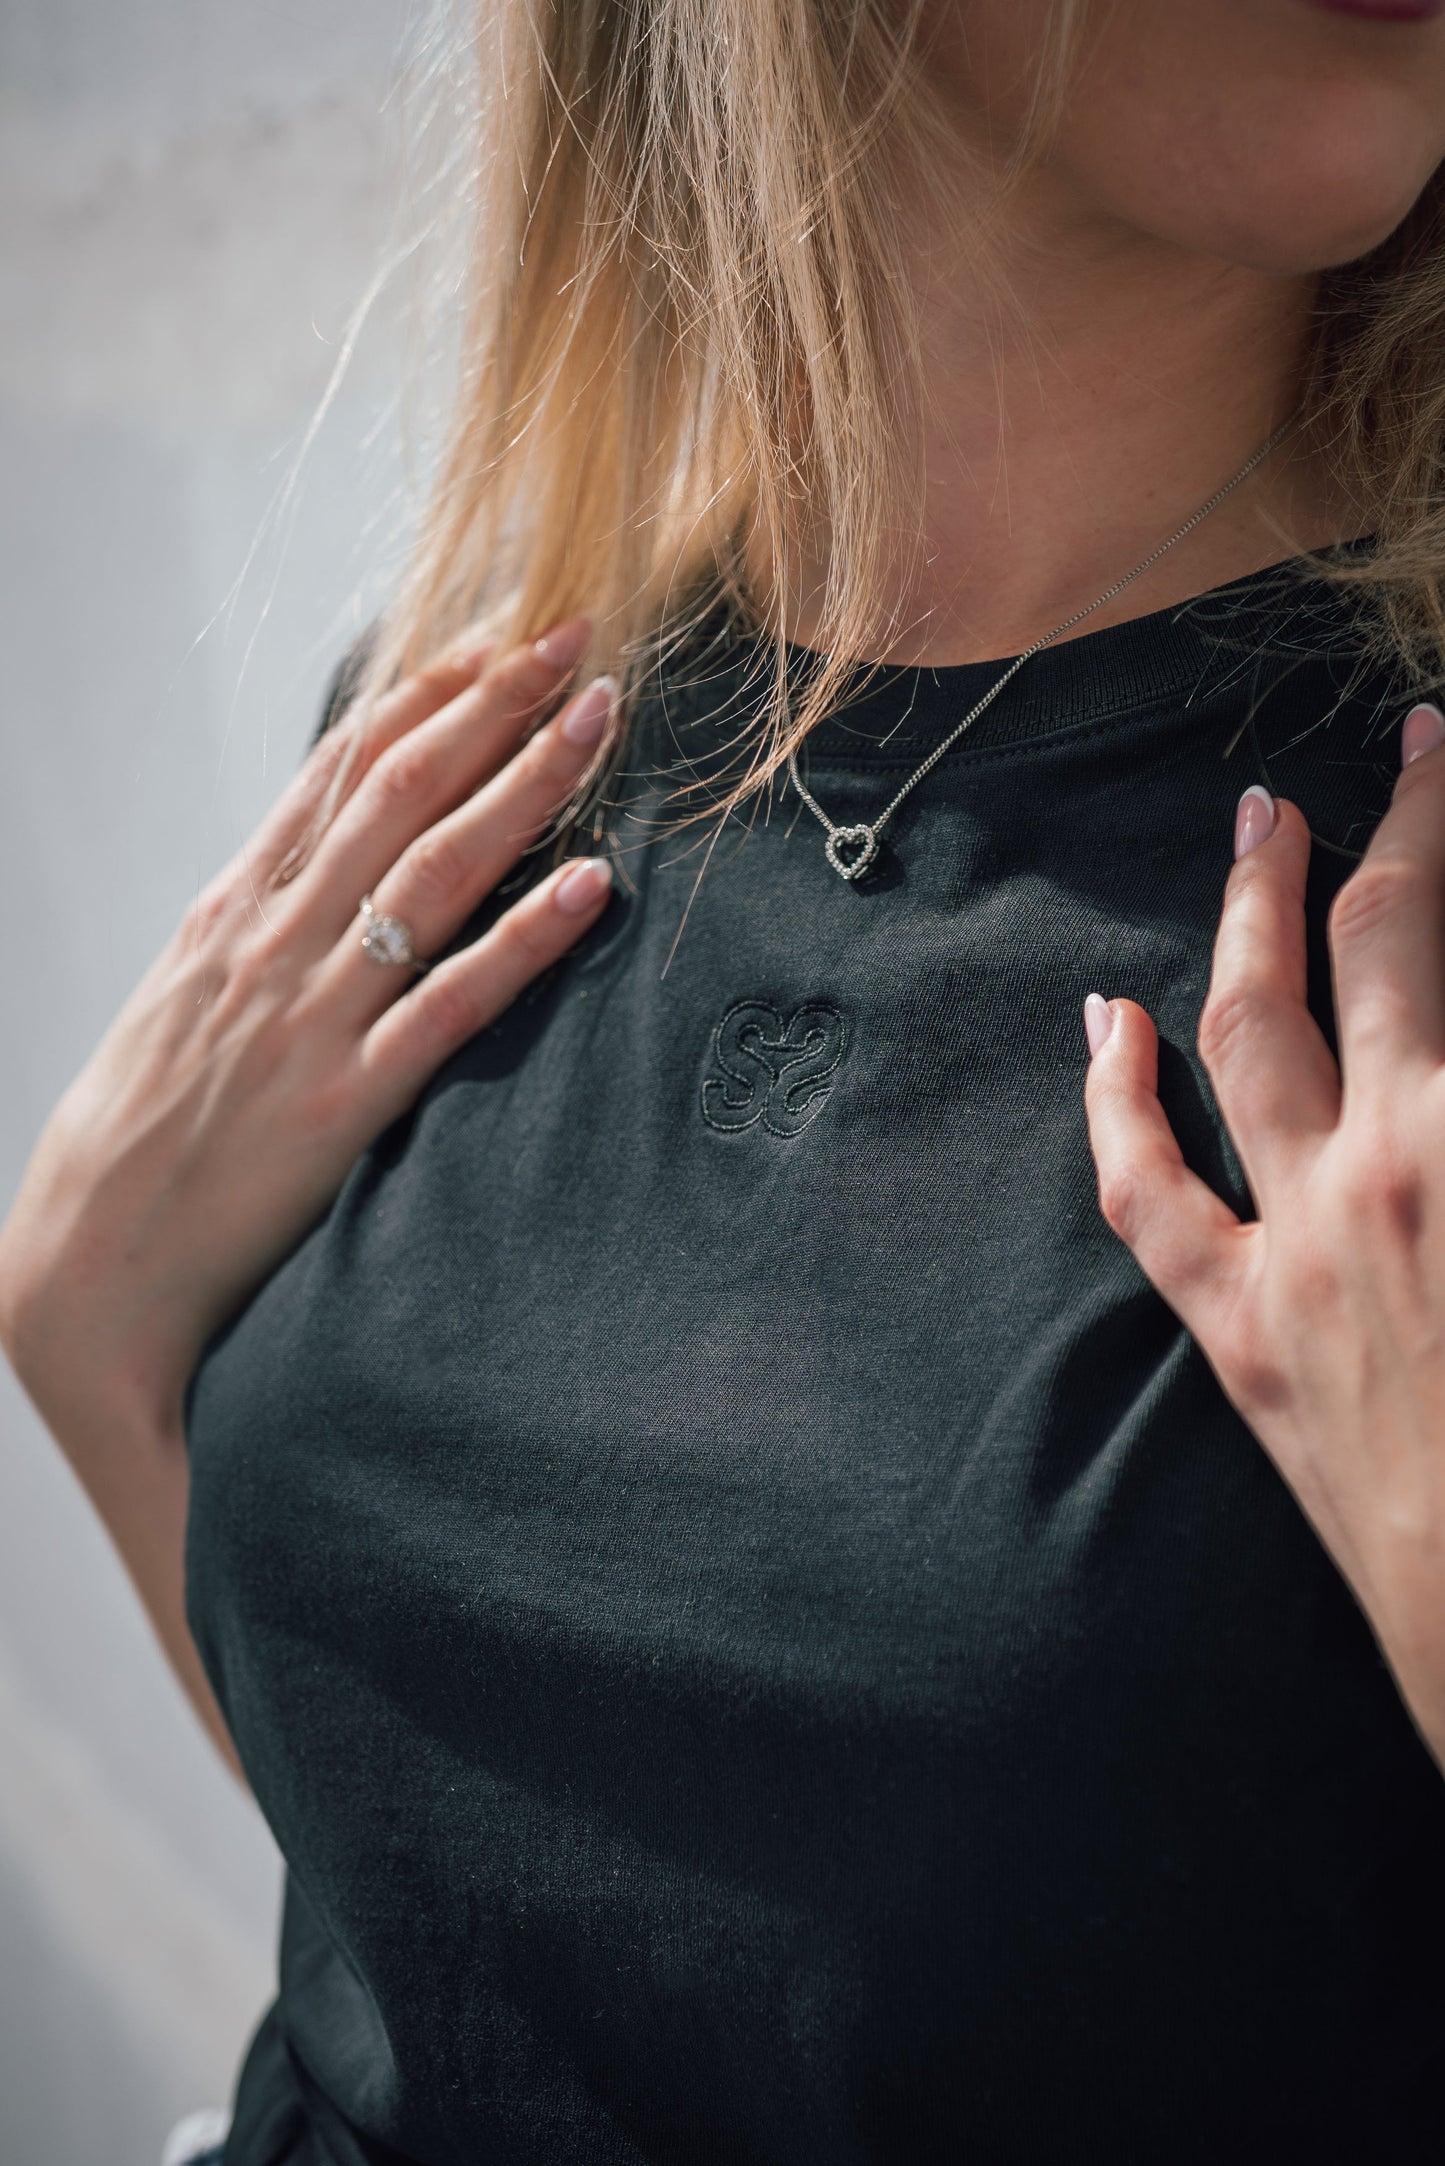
387 939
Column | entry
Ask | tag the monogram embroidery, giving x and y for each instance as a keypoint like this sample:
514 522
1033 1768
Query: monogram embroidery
774 1072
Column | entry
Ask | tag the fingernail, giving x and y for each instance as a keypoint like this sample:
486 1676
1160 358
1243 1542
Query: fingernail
587 717
586 882
1254 820
472 649
562 647
1424 729
1098 1021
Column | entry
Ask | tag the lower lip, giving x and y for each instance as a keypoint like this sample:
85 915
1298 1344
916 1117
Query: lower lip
1384 11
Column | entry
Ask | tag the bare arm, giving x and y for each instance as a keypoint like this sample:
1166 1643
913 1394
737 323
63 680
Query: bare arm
138 1480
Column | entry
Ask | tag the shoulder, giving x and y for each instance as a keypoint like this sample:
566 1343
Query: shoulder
344 679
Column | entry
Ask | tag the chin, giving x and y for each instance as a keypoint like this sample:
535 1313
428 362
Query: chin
1312 189
1292 238
1265 133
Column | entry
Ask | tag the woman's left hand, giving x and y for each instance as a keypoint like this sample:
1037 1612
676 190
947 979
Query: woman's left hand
1324 1318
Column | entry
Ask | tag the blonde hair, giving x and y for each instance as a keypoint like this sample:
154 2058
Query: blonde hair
685 336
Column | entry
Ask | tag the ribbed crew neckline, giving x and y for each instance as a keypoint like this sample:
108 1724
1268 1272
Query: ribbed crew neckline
1189 651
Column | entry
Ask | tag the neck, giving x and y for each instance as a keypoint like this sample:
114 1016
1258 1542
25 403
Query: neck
1080 401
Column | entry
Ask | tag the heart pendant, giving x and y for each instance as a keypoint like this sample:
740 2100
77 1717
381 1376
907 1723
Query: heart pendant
851 850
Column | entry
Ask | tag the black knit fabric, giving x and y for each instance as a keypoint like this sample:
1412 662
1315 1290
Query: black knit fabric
758 1635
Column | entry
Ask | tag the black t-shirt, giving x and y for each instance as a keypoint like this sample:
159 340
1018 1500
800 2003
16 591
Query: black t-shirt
758 1635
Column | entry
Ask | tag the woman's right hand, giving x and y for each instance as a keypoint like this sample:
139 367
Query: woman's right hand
264 1049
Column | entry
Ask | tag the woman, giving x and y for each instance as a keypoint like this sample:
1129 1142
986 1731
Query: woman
765 1630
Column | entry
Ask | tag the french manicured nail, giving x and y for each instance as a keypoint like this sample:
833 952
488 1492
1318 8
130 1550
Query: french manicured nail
586 718
1098 1021
1424 729
1254 820
586 883
562 648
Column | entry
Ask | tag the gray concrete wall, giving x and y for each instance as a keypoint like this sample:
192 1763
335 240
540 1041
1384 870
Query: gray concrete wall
192 194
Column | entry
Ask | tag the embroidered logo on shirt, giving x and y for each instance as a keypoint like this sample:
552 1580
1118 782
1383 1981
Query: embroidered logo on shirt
776 1072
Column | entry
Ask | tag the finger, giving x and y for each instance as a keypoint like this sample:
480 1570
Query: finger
412 1038
428 773
440 879
394 714
252 872
1387 938
1273 1074
1187 1241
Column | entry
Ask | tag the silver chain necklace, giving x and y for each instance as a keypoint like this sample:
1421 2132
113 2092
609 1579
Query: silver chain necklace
852 849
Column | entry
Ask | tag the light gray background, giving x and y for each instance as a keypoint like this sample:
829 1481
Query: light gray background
192 195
